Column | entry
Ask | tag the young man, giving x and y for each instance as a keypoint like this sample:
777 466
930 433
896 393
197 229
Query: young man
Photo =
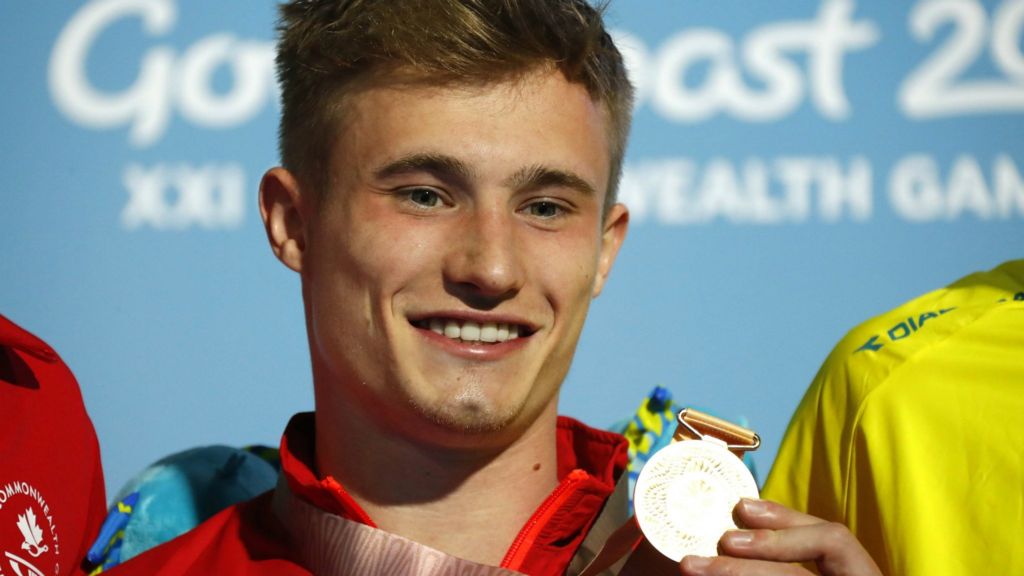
448 199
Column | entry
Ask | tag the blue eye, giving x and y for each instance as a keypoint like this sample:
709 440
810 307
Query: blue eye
425 197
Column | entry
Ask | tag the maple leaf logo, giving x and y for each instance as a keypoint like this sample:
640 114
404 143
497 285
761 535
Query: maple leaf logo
32 534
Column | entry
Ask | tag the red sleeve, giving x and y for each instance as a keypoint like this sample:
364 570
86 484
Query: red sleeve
52 496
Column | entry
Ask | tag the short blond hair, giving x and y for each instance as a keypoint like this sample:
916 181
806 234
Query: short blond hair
327 47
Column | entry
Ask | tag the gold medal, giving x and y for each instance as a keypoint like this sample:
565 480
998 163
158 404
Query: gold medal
686 492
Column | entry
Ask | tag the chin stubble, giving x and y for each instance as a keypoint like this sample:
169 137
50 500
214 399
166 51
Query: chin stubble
470 412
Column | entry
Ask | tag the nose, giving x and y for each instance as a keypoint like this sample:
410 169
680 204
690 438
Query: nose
483 266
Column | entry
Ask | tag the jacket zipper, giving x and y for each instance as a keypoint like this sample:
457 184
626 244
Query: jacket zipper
528 535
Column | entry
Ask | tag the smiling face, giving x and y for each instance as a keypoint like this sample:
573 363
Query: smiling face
448 267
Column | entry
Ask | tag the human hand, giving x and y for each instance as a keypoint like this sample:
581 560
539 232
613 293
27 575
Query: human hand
775 537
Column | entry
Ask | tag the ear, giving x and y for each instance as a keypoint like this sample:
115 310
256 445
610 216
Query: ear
283 216
613 232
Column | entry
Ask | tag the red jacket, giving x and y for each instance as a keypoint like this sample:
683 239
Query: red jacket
251 538
52 498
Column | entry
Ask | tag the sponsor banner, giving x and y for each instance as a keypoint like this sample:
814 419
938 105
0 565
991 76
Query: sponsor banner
795 168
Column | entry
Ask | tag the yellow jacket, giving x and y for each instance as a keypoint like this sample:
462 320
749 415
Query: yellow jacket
912 433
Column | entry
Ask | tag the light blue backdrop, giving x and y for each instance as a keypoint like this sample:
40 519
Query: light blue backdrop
795 168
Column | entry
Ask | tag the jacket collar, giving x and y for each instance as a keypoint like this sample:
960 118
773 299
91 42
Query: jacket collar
589 463
13 336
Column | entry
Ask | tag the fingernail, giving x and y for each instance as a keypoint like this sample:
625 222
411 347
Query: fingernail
754 507
739 538
697 563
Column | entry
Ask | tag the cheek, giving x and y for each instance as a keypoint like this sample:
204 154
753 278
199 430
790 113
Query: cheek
568 274
376 247
394 253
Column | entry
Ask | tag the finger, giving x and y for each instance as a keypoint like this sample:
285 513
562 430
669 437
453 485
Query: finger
830 545
726 566
751 513
798 544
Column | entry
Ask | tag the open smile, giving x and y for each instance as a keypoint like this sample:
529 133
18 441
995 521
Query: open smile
472 331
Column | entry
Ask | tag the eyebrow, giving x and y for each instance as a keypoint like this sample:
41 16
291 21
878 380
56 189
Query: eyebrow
441 166
449 168
539 176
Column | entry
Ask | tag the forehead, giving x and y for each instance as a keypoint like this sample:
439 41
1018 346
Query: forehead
539 118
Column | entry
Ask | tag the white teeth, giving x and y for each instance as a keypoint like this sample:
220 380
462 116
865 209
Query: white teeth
451 329
437 325
470 331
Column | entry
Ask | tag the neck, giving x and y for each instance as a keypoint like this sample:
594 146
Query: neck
439 496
